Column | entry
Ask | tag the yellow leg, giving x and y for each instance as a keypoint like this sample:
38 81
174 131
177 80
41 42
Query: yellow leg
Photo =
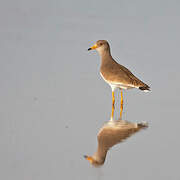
113 102
121 107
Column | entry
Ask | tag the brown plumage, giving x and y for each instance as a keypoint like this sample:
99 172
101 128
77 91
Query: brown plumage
112 133
113 73
116 75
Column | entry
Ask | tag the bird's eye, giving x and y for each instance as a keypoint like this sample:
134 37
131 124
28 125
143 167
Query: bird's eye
100 44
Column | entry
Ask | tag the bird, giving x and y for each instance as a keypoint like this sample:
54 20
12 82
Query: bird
112 133
116 75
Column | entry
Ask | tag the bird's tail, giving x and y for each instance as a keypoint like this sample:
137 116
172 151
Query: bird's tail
142 125
145 88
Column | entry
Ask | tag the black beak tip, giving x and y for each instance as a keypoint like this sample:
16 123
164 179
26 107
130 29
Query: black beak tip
89 49
85 156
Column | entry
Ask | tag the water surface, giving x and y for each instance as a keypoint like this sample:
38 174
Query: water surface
53 100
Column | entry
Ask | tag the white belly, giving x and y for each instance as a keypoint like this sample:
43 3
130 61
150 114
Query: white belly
121 86
115 85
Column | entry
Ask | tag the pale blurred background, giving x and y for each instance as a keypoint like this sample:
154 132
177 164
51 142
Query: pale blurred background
53 100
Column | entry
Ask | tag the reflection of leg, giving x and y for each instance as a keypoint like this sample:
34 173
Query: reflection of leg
113 102
121 108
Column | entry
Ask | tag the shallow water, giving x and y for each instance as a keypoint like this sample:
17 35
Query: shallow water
53 100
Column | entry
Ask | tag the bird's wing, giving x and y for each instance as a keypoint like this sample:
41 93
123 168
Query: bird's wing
129 76
117 73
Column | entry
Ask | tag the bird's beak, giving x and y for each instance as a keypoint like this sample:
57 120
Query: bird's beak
93 47
89 158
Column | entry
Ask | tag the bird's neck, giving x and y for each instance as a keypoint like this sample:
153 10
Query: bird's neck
105 55
104 52
100 155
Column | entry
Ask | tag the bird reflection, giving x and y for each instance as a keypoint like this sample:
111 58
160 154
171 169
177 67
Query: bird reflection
112 133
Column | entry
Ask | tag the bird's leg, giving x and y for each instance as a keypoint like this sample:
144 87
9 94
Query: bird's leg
113 102
121 106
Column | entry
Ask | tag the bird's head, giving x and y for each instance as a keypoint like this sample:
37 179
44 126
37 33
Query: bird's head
93 161
100 46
